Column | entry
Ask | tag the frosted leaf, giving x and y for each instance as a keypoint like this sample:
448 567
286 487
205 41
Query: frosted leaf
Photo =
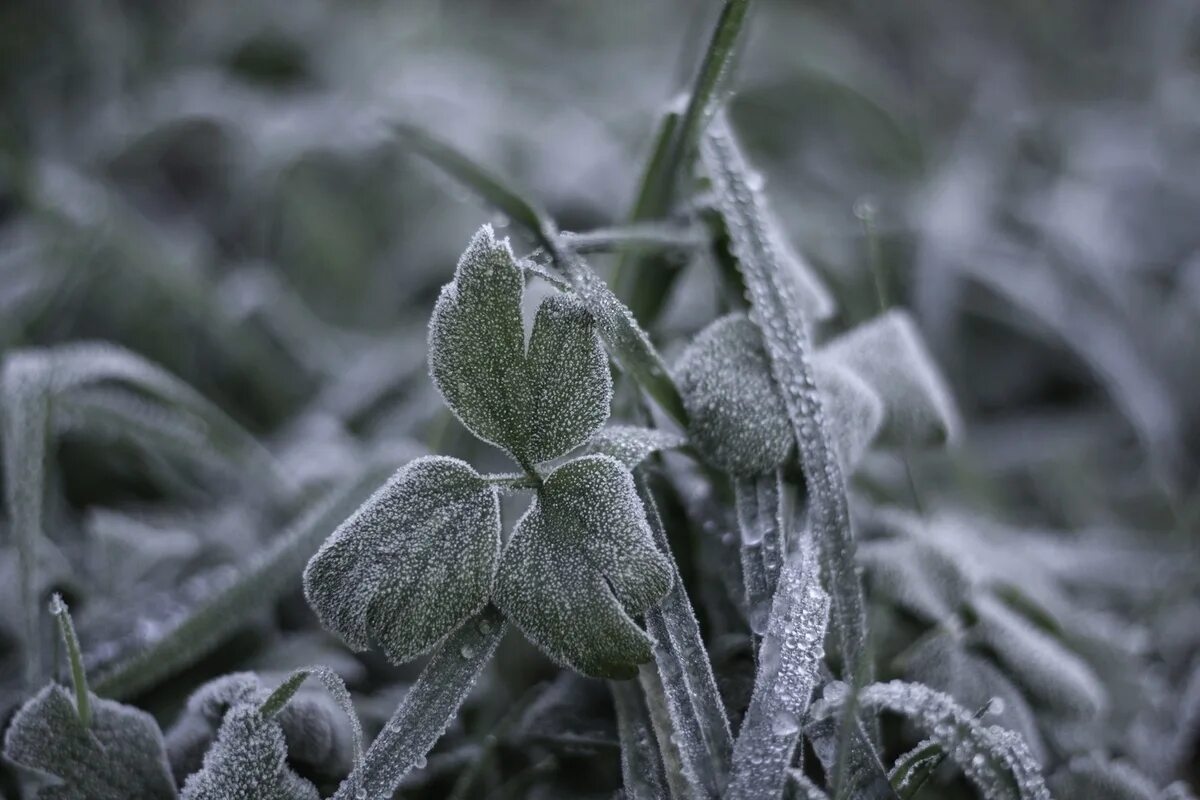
248 761
1046 668
415 561
477 342
631 445
320 728
539 405
996 760
856 413
890 356
737 419
941 662
119 756
1177 791
427 708
581 561
569 380
915 576
1096 779
790 660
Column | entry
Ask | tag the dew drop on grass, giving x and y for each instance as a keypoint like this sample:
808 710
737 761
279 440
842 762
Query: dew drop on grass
467 651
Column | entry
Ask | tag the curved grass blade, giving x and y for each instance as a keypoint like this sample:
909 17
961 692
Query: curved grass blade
627 343
789 665
836 741
653 236
697 714
776 309
427 709
275 570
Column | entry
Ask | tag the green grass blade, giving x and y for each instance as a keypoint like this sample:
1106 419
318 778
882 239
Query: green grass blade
83 701
645 281
641 768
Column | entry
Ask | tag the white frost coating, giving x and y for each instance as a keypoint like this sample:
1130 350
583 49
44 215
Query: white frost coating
581 561
1047 669
641 766
915 576
994 759
889 354
737 418
427 709
416 560
943 662
120 756
856 413
693 703
763 522
804 789
631 444
777 310
247 762
537 403
789 664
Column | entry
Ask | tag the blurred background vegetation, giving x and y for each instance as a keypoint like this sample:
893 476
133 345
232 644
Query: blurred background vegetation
213 186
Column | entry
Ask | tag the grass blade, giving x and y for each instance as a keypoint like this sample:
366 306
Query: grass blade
645 281
641 768
274 571
689 687
26 416
776 309
427 709
83 702
789 664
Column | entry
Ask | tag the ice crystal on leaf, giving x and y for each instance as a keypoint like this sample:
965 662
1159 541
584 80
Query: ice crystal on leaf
539 404
631 445
580 562
414 562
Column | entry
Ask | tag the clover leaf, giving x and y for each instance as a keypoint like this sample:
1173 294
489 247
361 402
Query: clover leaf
119 755
581 561
539 404
413 563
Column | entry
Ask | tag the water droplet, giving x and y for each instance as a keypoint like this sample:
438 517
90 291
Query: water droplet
467 651
784 723
996 705
484 626
420 763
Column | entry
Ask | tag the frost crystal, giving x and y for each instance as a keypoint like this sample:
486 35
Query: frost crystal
415 561
539 404
582 560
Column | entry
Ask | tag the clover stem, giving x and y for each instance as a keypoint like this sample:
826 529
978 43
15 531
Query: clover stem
83 701
515 481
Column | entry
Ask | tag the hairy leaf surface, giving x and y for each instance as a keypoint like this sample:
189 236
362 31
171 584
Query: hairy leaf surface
119 756
415 561
536 405
581 561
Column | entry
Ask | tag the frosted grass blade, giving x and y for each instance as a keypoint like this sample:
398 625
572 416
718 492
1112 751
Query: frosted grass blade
776 309
789 664
689 687
275 570
641 768
427 709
